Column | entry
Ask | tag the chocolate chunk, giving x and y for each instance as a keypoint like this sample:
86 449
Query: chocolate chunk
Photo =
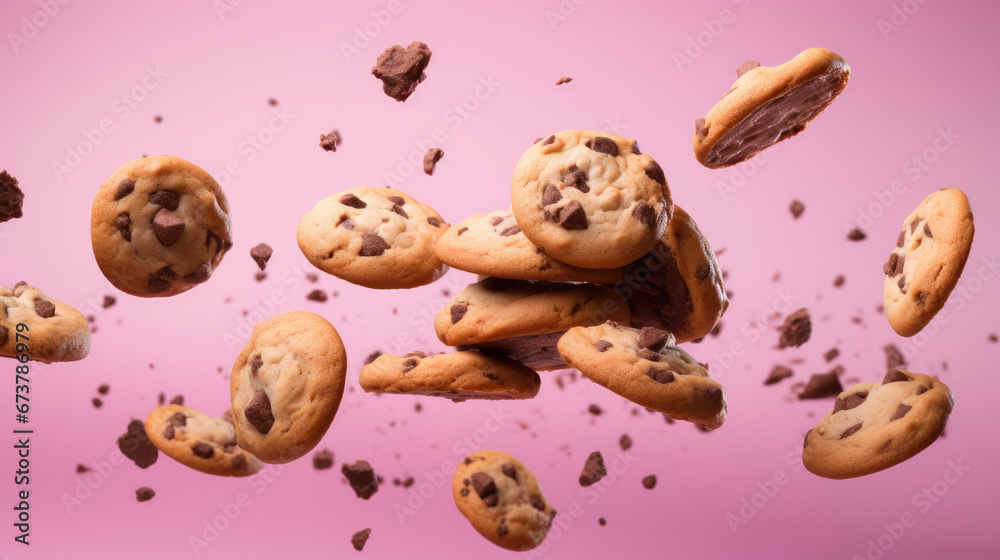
81 468
901 239
144 494
902 284
602 345
921 298
258 412
109 300
921 389
537 502
653 339
372 245
457 312
549 140
361 478
329 141
178 400
839 281
644 213
595 410
647 354
509 470
461 230
895 375
467 461
157 119
900 412
796 329
346 223
410 364
238 462
894 265
165 199
124 225
851 431
914 224
203 450
550 195
831 354
431 158
200 274
359 539
156 284
135 445
593 469
893 357
856 235
323 459
98 403
649 482
464 491
401 70
352 200
44 308
255 364
486 488
927 230
124 189
660 375
574 177
746 67
261 253
316 295
778 373
797 208
167 226
434 221
655 172
602 521
563 80
625 442
372 357
805 440
4 333
700 130
572 216
511 230
822 385
177 420
103 389
603 145
849 402
502 528
495 221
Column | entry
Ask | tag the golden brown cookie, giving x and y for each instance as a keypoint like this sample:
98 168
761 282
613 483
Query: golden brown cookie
50 330
199 441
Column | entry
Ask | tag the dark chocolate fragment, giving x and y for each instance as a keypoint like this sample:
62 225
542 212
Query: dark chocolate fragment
848 402
602 345
655 172
647 354
595 410
255 364
316 295
200 274
372 245
124 189
397 200
431 158
625 442
895 375
550 195
350 199
549 140
510 230
457 312
359 539
44 308
649 482
109 300
900 412
572 216
700 130
434 221
135 445
124 225
822 385
796 329
927 230
746 67
486 488
323 459
893 357
831 354
797 208
261 253
856 235
258 412
165 199
576 178
401 70
653 339
851 431
144 494
593 469
509 470
329 141
563 80
168 227
778 373
361 478
603 145
901 239
660 375
644 213
203 450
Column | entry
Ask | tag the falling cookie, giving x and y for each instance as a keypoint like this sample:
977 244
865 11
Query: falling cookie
767 105
52 331
199 441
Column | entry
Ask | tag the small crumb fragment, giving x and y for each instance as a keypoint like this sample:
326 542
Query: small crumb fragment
329 141
625 442
595 410
563 80
593 469
323 459
316 295
649 482
856 235
144 494
797 208
778 373
431 158
261 253
360 538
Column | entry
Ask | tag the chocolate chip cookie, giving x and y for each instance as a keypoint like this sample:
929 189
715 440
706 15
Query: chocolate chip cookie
286 386
377 238
160 226
927 262
524 320
467 374
646 367
875 426
55 332
199 441
502 500
767 105
590 199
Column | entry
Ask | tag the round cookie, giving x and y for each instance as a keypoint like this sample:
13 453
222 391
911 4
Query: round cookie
199 441
502 500
927 262
286 386
874 426
467 374
767 105
159 226
494 245
377 238
590 199
645 367
677 286
524 320
55 331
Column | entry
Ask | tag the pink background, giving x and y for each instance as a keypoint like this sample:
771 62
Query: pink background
934 72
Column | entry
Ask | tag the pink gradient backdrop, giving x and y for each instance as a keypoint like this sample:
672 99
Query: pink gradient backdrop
935 72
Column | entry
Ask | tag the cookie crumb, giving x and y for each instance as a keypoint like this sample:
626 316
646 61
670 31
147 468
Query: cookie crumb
259 276
158 119
11 198
625 442
178 400
144 494
893 357
323 459
601 521
831 354
360 538
431 158
563 80
361 478
316 295
797 208
98 403
312 277
595 410
418 407
593 469
796 329
81 468
839 281
778 373
649 482
135 445
856 234
272 102
329 141
261 253
103 389
401 70
108 301
823 385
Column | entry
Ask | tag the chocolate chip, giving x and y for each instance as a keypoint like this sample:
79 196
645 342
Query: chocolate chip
238 462
144 494
625 442
109 300
849 402
457 312
461 230
796 329
329 141
431 158
11 198
700 130
703 272
156 285
434 221
921 389
135 445
261 253
316 295
574 177
486 488
778 373
805 440
372 357
595 410
900 412
602 521
258 412
124 189
660 375
4 333
502 529
644 213
203 450
464 492
655 172
401 70
537 502
550 195
831 354
893 357
797 208
511 230
593 469
359 539
649 482
856 235
467 461
346 223
602 345
894 265
410 364
901 239
927 230
124 224
895 375
647 354
98 403
81 468
167 226
839 281
372 245
177 420
255 364
323 459
914 224
19 288
563 80
822 385
746 67
850 431
103 389
653 339
572 216
495 220
902 284
603 145
165 199
509 470
361 478
921 298
352 200
200 274
178 400
44 308
549 140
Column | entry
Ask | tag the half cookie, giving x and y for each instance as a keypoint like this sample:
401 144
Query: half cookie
43 329
199 441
